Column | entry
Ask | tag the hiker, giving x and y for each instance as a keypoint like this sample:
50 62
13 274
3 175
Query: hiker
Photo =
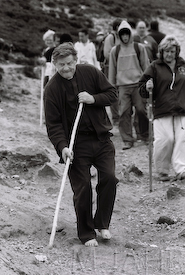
126 65
141 36
48 38
99 49
111 40
59 38
166 77
73 84
86 49
154 31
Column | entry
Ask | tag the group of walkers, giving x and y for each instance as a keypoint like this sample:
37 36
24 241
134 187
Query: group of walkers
131 64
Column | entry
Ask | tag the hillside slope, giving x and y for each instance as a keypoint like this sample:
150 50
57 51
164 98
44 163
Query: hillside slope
30 178
24 22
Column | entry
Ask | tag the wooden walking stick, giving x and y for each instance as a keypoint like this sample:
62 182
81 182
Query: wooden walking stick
64 176
150 137
41 93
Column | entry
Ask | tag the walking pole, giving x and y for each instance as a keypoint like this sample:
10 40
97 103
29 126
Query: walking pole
64 177
41 93
150 137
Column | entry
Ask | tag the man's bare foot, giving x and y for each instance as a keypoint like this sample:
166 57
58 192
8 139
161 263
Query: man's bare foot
105 233
92 242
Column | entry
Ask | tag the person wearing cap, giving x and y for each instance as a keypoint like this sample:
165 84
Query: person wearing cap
73 84
166 78
125 70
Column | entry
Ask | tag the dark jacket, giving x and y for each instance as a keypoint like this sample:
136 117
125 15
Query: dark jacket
169 88
150 45
94 82
158 36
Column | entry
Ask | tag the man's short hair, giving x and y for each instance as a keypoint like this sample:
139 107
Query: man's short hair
124 31
116 23
64 50
65 37
85 31
141 23
154 25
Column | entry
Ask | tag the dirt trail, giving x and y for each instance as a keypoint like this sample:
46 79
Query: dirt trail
30 187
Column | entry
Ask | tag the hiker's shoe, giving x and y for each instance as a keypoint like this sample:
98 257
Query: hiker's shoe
163 177
127 145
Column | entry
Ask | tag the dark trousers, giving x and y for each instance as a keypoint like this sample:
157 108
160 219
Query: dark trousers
115 112
129 97
90 151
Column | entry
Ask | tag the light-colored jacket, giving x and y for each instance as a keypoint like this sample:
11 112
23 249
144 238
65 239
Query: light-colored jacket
126 69
86 53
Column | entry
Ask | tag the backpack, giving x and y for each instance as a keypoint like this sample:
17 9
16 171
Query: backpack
100 49
136 47
99 52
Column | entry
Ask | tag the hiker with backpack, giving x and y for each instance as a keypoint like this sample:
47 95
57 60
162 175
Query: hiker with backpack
147 40
99 49
126 65
110 41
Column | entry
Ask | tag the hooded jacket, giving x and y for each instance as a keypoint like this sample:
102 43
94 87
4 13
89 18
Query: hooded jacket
126 69
169 88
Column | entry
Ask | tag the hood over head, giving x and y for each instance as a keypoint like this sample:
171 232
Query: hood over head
125 28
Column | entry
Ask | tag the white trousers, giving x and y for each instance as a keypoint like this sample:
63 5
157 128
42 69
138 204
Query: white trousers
169 144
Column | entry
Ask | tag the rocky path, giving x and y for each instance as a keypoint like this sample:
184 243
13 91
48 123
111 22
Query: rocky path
30 179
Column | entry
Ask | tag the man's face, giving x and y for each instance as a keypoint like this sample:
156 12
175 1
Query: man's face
66 66
83 37
169 54
125 38
141 29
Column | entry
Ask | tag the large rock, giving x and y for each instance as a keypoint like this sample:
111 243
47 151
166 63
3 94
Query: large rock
48 170
165 219
22 158
174 192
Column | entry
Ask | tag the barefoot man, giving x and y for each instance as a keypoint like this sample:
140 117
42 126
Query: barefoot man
71 85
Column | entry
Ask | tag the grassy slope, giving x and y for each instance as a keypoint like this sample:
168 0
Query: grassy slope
24 22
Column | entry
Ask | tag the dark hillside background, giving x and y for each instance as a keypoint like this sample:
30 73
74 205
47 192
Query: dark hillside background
23 22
